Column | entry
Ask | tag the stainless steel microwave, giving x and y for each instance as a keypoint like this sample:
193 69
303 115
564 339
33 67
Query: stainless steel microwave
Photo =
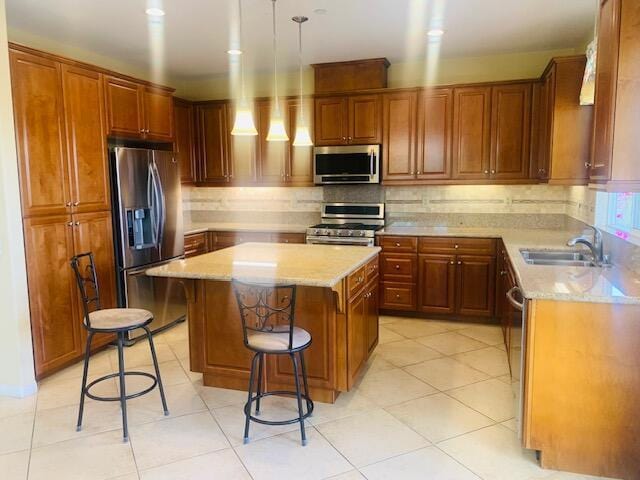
346 164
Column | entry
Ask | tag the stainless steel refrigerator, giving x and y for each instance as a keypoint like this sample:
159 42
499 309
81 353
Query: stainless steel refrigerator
147 214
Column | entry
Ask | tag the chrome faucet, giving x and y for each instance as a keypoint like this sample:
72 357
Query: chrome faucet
595 246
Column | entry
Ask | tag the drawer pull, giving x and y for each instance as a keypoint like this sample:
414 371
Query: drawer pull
456 246
397 267
397 244
397 295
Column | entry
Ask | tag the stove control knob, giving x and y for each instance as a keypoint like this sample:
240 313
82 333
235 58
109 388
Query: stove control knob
362 233
350 233
316 231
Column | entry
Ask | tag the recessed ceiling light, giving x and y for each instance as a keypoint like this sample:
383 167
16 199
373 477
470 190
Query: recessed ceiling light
154 12
320 11
234 51
435 32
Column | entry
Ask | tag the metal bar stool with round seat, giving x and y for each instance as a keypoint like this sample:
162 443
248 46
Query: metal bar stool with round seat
110 321
268 315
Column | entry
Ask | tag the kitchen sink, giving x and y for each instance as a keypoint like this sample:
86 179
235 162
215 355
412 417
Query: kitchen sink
561 258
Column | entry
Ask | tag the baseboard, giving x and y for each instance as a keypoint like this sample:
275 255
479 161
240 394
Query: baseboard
19 391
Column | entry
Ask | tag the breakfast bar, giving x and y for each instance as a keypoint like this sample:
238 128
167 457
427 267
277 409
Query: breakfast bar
337 303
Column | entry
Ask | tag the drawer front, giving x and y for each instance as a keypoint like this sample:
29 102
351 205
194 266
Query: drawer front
371 269
399 244
355 281
195 244
448 245
399 267
288 237
398 296
228 239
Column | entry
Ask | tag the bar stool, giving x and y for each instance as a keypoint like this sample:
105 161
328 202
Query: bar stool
267 314
111 320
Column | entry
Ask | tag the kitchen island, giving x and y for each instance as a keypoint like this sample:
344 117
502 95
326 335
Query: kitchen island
337 303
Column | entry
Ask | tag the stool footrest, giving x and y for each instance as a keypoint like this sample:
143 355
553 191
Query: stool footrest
306 400
117 399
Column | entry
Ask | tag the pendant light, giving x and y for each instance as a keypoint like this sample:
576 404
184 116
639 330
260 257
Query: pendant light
243 124
277 131
302 138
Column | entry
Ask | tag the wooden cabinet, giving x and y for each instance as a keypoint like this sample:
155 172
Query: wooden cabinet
196 244
86 139
299 163
562 129
399 135
510 131
243 152
137 110
371 312
184 146
471 132
55 325
272 155
439 275
348 120
434 134
40 134
219 240
475 285
211 128
437 283
616 145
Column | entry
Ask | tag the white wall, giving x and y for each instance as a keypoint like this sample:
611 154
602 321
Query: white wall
16 354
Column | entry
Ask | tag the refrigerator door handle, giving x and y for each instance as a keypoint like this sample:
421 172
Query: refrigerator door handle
157 202
161 203
151 202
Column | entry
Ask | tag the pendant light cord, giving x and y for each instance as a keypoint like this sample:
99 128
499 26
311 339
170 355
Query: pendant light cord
275 60
242 91
300 70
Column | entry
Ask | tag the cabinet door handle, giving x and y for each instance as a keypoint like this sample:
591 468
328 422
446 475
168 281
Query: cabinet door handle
418 172
69 224
587 164
459 263
77 223
486 172
68 204
452 262
75 204
492 172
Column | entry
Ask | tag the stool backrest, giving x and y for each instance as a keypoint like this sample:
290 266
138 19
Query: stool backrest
84 267
263 307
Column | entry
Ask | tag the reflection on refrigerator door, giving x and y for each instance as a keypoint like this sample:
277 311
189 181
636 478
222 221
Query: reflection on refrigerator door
165 297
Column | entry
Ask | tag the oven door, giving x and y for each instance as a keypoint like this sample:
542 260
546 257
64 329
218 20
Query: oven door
348 164
324 240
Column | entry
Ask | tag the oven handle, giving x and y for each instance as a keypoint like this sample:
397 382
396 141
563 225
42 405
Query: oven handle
512 300
338 241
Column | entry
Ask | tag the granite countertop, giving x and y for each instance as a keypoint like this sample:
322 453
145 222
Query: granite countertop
580 284
299 264
192 228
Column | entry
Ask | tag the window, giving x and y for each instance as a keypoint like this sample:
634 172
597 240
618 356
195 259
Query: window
623 216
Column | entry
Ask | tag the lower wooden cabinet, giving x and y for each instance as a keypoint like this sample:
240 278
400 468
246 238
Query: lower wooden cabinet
196 244
445 275
56 312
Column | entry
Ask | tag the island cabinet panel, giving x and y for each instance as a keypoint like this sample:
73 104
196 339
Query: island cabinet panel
372 316
40 134
86 138
510 131
437 280
476 285
125 115
55 323
184 145
471 133
357 338
211 125
399 135
435 118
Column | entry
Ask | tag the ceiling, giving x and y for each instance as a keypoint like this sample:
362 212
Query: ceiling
195 34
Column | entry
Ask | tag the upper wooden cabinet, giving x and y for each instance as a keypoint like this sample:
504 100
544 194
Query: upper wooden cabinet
299 165
510 131
59 118
616 144
138 110
272 155
348 120
435 118
212 136
243 153
184 145
86 138
471 132
40 134
562 128
399 135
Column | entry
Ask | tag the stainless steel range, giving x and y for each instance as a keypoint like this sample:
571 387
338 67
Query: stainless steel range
347 224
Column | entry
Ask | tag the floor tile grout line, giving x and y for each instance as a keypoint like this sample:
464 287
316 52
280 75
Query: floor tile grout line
336 449
456 460
33 430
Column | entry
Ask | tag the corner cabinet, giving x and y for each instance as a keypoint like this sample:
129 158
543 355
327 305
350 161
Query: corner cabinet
211 132
184 146
348 120
136 110
616 144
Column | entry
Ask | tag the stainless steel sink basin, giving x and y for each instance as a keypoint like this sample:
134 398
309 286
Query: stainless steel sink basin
561 258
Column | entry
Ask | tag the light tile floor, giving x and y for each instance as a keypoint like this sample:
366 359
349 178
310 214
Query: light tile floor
435 402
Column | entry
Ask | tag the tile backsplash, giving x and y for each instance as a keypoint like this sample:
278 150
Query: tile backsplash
470 205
